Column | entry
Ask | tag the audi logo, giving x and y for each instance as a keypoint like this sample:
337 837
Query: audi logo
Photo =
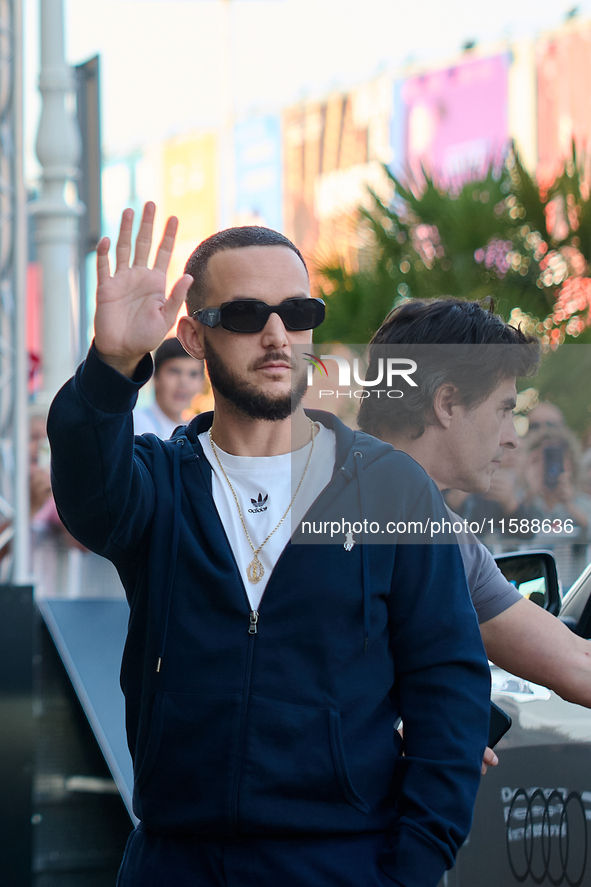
546 837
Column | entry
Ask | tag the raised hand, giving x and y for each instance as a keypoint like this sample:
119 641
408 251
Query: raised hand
502 490
133 314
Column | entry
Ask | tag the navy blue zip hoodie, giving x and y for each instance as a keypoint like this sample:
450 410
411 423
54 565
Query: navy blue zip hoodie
283 726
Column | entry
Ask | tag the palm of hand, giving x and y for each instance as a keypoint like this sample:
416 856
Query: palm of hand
502 487
131 317
133 314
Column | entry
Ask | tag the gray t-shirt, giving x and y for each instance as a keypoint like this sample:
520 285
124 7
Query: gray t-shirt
491 592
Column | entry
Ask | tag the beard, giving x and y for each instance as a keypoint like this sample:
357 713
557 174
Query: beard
246 398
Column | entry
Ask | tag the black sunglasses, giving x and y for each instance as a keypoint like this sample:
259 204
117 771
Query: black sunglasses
250 315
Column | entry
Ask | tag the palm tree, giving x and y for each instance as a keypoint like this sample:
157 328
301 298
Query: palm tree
499 235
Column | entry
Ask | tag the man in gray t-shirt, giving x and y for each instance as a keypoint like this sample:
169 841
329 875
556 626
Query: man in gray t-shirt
457 422
491 592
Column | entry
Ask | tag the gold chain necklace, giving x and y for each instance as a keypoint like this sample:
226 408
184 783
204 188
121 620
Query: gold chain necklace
255 570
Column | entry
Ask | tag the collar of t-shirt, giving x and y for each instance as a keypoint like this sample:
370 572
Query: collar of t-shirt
264 486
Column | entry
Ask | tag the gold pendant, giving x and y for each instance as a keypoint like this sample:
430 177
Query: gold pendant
255 570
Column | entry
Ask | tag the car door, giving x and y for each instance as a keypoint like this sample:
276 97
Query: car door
531 820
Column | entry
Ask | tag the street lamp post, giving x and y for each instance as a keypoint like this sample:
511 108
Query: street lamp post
58 149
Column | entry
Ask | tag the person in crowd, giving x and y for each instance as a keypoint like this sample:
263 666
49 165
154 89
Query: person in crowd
43 511
457 424
40 496
551 476
507 497
586 439
585 474
39 480
264 676
178 378
545 416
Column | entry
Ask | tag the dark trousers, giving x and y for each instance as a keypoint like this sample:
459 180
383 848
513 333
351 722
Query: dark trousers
350 861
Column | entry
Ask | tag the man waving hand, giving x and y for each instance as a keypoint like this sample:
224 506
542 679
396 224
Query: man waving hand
264 675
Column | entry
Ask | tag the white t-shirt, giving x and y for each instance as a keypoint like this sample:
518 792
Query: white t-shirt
264 486
152 419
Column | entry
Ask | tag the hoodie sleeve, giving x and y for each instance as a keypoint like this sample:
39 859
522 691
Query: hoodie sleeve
103 491
443 692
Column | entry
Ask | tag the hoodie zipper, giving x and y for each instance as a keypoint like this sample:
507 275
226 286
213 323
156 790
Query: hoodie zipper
253 620
253 627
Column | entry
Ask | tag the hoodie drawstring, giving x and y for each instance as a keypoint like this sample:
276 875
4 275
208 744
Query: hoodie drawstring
174 546
364 550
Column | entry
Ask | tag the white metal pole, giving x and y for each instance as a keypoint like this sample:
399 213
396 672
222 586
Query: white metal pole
21 567
57 230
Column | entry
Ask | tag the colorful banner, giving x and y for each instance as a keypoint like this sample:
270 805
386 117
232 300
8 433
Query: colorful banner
564 109
303 128
257 152
190 191
457 118
333 151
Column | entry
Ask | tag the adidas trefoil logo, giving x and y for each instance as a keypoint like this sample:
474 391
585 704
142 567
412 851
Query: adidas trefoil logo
259 504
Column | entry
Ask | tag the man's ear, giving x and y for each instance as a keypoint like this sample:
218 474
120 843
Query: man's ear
190 333
447 397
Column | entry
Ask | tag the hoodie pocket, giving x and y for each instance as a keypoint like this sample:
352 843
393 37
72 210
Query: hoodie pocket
185 778
340 763
295 772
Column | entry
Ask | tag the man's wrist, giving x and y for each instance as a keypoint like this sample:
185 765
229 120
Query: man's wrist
123 365
106 388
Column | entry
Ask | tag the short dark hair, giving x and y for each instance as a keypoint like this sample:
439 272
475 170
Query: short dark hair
230 238
475 372
169 349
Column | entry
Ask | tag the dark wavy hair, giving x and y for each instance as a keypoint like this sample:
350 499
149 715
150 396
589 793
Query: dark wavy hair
229 238
452 341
